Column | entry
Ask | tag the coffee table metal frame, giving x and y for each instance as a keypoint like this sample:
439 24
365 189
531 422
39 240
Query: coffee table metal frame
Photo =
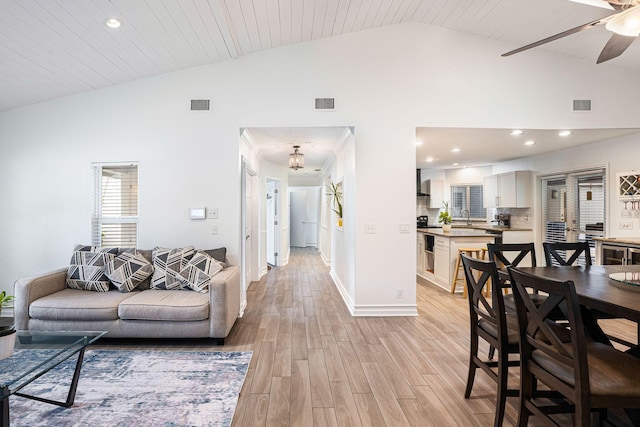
67 345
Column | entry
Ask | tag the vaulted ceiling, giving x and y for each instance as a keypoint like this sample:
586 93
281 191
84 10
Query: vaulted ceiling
51 49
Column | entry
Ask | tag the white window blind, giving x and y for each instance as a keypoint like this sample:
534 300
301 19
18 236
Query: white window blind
115 218
467 197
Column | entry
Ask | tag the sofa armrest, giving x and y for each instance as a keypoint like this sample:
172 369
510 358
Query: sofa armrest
224 301
30 289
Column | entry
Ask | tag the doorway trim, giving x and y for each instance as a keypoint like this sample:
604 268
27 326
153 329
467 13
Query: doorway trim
249 253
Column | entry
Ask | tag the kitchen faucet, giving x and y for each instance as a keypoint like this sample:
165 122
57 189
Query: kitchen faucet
468 216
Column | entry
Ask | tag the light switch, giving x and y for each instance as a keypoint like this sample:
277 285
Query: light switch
369 229
212 213
214 229
404 228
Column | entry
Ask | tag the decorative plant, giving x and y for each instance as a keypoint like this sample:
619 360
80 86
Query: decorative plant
5 299
444 216
334 191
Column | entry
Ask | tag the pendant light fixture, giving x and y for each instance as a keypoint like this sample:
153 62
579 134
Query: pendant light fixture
296 159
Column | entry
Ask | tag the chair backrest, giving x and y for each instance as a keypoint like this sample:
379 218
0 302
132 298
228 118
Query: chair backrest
512 254
551 345
479 275
557 253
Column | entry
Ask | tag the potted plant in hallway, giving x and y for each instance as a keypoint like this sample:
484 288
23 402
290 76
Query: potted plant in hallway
445 218
334 191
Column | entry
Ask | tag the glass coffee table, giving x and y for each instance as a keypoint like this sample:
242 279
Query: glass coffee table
35 354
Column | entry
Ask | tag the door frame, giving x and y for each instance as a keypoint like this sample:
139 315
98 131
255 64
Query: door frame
251 253
277 228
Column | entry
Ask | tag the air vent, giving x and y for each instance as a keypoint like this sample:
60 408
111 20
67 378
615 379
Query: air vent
199 105
581 105
325 104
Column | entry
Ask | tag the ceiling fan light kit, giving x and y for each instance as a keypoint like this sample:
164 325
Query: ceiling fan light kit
624 24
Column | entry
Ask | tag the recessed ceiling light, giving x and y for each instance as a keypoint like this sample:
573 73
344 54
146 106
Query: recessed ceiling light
113 23
454 164
529 142
516 132
429 159
419 142
455 150
564 133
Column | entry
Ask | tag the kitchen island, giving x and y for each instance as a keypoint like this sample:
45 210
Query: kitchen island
438 251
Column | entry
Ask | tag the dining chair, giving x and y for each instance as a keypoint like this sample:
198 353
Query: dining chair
489 321
567 253
589 375
509 254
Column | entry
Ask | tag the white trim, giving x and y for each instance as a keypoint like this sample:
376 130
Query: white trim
343 292
385 310
243 305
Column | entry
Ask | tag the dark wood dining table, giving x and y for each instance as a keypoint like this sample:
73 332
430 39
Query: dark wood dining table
596 290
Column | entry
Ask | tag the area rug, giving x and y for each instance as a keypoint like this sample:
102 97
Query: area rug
139 388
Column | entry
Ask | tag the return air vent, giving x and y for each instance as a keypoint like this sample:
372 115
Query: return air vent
325 104
581 105
199 105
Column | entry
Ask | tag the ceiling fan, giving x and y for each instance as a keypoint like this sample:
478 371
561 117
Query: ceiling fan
624 23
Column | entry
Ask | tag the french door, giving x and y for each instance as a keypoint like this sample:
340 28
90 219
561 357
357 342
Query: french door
573 207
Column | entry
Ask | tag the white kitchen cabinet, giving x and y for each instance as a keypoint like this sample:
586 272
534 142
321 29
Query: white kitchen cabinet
508 190
441 259
435 189
420 267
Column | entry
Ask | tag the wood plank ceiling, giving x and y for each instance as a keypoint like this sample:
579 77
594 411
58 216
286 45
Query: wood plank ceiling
51 49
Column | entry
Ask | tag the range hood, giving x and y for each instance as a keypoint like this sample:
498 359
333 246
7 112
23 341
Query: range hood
419 184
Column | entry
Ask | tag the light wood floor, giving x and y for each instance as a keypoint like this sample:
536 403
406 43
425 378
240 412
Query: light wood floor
315 365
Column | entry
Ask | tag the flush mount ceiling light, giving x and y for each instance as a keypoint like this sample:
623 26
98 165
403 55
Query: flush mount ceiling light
419 142
455 150
564 133
112 23
529 142
516 132
429 159
296 159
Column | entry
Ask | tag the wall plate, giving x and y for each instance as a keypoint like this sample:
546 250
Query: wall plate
198 213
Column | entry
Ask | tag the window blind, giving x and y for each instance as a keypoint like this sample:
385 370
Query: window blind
467 197
115 219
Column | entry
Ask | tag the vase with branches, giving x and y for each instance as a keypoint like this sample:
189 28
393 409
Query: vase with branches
334 193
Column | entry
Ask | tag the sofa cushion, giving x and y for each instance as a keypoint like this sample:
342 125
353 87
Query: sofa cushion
172 305
128 270
197 274
74 304
219 254
86 269
167 263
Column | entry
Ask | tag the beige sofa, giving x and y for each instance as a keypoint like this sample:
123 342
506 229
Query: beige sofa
45 303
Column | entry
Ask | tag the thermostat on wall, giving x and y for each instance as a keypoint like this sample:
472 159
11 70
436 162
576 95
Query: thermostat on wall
198 213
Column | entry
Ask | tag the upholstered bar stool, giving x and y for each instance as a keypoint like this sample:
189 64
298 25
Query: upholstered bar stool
458 272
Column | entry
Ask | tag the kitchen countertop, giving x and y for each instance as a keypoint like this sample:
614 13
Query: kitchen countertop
490 227
455 232
623 240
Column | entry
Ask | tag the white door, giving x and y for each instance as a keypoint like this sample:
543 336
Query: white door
298 218
273 227
247 229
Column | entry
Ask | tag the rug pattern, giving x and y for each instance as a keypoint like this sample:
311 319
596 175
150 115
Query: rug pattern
139 388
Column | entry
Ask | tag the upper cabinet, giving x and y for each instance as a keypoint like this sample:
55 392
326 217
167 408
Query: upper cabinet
508 190
435 189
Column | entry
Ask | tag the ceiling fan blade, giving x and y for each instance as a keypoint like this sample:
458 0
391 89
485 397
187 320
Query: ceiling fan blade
614 47
558 36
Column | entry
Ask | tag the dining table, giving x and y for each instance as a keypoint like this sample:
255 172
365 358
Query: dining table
598 291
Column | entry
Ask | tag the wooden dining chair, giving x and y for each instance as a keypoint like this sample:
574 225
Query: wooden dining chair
567 253
590 376
489 321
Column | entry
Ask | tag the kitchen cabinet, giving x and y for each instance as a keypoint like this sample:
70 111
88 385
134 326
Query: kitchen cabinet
508 190
420 254
435 189
441 258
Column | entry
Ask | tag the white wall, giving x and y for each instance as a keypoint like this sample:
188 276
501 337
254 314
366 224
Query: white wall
386 82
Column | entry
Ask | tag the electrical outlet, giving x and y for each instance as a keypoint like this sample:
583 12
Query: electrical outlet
212 213
400 293
404 228
625 225
369 229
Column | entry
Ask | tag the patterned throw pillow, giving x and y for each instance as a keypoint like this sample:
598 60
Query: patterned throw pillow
167 263
128 270
86 269
198 272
